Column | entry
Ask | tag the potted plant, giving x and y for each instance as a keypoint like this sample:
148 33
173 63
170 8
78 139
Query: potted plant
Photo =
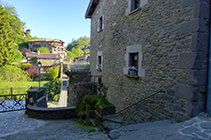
31 101
133 71
104 107
99 67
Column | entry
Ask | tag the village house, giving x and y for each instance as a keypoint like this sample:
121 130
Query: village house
55 46
47 59
154 50
83 58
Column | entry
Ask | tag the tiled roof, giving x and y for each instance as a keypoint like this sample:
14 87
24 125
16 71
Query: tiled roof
91 8
47 40
42 55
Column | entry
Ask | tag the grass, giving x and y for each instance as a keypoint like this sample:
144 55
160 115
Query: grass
19 86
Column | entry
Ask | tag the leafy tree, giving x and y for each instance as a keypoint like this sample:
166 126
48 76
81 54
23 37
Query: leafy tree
18 56
10 73
70 55
77 52
32 70
53 72
7 45
43 50
24 51
54 87
86 52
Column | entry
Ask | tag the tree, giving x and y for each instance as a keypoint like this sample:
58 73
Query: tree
24 51
7 45
10 73
77 52
70 55
43 50
32 70
18 56
53 72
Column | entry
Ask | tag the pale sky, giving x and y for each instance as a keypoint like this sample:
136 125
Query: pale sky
55 19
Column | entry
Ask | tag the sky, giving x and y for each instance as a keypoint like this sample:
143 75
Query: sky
54 19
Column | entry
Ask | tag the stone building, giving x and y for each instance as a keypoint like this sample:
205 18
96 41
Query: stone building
164 42
46 59
55 46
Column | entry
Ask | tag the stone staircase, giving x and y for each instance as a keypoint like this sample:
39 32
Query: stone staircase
158 106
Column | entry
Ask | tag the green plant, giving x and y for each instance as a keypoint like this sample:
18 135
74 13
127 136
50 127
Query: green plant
90 130
103 102
54 88
53 72
133 68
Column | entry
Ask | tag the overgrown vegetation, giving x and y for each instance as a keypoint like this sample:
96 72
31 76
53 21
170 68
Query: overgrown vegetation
54 88
53 72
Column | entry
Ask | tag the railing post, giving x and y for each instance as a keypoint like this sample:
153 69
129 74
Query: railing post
11 93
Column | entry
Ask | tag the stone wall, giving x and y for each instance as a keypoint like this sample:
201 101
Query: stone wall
77 91
174 38
78 76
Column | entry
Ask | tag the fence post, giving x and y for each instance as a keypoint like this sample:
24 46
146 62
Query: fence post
11 93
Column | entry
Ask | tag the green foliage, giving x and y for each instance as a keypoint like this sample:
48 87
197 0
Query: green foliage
7 45
26 64
10 73
54 88
70 55
76 46
53 72
18 56
77 52
86 52
43 50
103 101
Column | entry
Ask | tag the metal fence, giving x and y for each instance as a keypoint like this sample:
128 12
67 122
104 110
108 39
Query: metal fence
12 99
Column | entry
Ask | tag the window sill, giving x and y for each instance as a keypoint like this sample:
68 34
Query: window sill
134 11
100 31
99 70
130 76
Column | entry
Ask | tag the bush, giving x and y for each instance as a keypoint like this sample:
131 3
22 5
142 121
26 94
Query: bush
10 73
32 70
53 72
26 64
24 51
54 88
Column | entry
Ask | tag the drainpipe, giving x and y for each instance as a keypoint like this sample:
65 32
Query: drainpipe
208 105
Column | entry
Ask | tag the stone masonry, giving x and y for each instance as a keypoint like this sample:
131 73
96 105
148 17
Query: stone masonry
174 35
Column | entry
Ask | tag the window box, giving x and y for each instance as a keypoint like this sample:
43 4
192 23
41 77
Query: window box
133 59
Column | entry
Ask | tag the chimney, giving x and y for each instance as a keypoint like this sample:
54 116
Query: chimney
38 52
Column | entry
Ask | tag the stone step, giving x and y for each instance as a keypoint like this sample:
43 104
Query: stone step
92 121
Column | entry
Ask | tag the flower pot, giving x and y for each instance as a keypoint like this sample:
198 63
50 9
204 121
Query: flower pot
133 73
110 109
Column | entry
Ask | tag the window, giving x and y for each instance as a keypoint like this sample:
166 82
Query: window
100 24
58 48
54 48
99 65
133 59
62 49
134 5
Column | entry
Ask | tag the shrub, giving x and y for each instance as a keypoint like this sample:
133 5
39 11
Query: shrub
24 51
26 64
10 73
54 88
32 70
53 72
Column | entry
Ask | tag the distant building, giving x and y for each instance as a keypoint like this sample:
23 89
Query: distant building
46 59
55 46
84 58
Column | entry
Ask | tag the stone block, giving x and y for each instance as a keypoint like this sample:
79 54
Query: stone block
190 2
189 93
194 108
201 9
200 42
198 77
191 60
195 25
